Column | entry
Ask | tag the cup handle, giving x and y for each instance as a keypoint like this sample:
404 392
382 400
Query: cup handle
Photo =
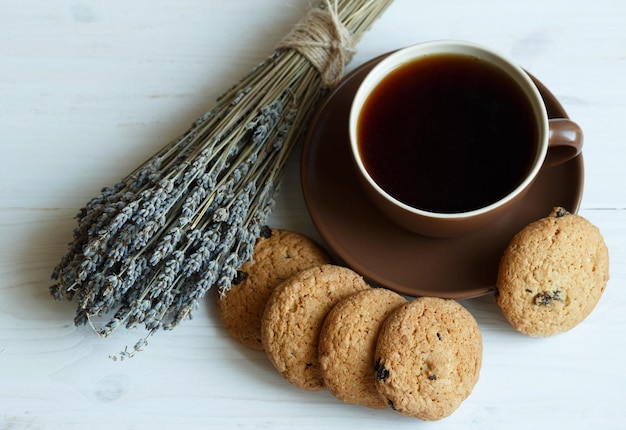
565 141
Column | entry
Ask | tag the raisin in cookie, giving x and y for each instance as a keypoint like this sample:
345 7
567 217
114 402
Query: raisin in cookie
294 316
428 358
278 255
347 345
552 274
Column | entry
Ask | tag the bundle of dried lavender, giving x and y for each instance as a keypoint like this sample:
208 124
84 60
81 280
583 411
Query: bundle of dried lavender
147 249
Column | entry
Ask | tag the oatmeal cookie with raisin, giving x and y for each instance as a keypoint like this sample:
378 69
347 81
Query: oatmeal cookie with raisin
552 274
348 342
293 319
278 254
428 358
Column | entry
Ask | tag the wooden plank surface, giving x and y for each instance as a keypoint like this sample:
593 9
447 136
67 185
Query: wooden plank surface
89 89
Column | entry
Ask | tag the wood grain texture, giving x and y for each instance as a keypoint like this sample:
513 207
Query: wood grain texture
89 89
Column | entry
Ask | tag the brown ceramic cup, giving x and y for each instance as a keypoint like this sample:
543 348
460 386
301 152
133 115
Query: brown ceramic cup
444 187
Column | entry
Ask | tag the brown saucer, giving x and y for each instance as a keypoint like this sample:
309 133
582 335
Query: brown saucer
361 237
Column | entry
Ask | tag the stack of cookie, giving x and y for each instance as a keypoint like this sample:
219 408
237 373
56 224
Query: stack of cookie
323 327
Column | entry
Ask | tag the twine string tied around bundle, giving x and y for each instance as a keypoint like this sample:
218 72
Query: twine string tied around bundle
324 41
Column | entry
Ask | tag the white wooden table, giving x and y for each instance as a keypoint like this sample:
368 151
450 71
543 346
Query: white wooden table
89 89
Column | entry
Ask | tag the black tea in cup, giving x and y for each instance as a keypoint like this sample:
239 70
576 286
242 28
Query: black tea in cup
448 133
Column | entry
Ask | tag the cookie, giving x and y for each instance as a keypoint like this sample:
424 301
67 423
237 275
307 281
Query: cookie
428 358
294 316
278 255
552 274
348 342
